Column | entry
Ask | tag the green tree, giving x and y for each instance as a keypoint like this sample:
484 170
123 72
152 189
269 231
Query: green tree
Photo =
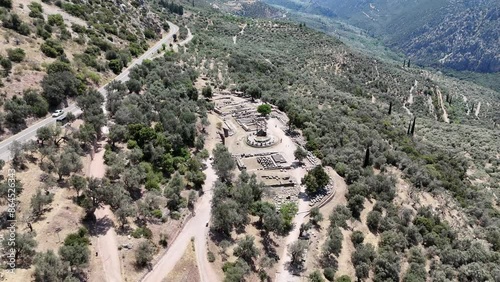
315 179
78 183
192 93
264 109
254 92
207 92
39 107
69 161
246 249
144 254
58 86
39 200
117 133
288 212
357 237
316 277
17 112
223 163
356 205
296 251
173 191
373 221
48 134
49 267
316 216
24 245
300 154
134 86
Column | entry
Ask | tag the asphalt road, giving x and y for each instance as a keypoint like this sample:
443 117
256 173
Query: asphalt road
30 132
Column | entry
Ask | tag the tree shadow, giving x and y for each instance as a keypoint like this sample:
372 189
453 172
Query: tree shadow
100 226
217 237
124 230
295 269
269 245
303 196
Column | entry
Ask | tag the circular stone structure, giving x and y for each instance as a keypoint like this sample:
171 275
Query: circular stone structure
257 141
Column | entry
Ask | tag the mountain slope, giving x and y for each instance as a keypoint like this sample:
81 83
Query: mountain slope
463 35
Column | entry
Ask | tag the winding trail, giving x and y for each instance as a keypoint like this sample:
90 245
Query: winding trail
445 114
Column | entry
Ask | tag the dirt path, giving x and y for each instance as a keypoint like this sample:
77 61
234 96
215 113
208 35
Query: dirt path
195 228
466 104
478 109
107 244
410 98
241 32
445 114
345 265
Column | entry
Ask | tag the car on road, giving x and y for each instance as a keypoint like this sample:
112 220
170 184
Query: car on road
57 113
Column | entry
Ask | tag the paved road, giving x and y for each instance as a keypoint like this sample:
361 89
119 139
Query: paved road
195 227
30 132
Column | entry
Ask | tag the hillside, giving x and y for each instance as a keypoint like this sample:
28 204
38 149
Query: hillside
462 35
340 99
261 149
81 43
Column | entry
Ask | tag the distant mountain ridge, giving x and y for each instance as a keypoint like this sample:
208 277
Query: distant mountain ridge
458 34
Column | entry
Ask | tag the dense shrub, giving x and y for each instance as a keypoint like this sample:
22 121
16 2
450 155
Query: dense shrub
52 48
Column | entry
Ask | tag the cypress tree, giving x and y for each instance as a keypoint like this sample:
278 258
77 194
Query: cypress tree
404 63
367 157
390 108
408 63
413 126
409 129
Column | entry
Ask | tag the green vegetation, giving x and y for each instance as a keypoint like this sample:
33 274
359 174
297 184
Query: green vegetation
16 55
315 180
264 109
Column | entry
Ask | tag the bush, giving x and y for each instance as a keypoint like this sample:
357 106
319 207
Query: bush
52 48
6 64
316 277
157 213
329 273
211 256
36 10
163 240
142 232
116 66
357 237
144 254
55 20
16 55
343 278
373 221
6 4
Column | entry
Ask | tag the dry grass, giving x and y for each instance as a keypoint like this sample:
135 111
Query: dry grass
186 269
